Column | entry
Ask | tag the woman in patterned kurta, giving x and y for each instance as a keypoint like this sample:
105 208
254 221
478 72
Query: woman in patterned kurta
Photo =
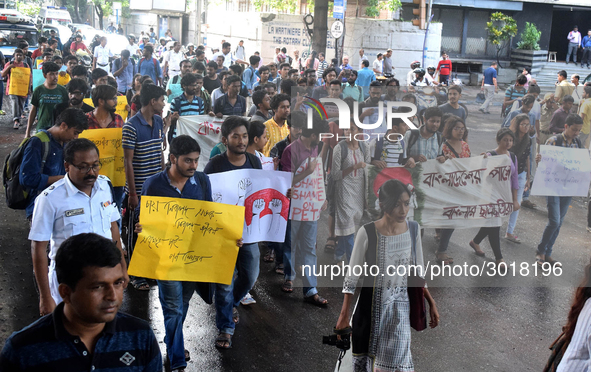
381 322
350 180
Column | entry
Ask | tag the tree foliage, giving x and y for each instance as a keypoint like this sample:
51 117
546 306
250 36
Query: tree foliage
376 6
530 37
28 9
501 28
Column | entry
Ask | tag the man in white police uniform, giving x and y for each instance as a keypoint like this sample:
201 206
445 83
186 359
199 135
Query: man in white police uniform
81 202
172 60
102 55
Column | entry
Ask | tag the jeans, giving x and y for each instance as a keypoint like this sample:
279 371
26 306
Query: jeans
572 50
18 105
489 92
586 56
521 179
557 208
444 238
532 164
345 245
303 242
227 297
493 238
174 298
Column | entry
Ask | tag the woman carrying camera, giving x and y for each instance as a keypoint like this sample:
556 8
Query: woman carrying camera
381 322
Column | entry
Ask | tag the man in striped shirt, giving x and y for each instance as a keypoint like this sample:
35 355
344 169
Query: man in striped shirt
187 103
86 331
142 142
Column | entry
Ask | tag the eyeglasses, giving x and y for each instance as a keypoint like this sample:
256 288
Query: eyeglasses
524 124
460 129
85 168
77 93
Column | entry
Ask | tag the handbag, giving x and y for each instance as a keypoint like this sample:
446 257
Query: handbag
415 285
480 98
558 348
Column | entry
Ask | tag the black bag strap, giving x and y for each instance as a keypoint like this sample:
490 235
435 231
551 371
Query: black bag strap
451 149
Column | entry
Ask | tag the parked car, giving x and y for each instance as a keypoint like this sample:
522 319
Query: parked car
63 32
12 33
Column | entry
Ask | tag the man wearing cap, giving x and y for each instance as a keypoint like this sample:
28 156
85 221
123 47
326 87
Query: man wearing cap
574 43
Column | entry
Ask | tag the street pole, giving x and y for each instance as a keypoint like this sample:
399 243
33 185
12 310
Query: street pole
197 36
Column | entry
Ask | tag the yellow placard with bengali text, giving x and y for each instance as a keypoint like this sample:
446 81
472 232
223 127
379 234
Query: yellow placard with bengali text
20 78
121 103
109 143
187 240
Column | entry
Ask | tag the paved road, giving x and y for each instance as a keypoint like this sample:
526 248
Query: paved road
502 324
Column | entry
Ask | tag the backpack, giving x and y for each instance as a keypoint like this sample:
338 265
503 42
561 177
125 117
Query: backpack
139 65
560 141
118 65
330 182
18 196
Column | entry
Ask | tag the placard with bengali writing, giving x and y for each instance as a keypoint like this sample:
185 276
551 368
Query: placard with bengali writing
562 171
187 240
109 143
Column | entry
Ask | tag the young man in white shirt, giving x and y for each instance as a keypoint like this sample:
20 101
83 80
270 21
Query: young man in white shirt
102 56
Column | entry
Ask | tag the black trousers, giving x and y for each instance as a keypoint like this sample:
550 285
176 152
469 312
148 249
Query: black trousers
494 239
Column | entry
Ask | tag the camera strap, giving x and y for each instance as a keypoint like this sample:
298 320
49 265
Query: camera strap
341 356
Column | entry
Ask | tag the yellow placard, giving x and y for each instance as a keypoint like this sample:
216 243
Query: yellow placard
20 78
187 240
110 147
121 103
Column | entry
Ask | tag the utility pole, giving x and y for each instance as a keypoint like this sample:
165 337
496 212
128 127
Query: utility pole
320 26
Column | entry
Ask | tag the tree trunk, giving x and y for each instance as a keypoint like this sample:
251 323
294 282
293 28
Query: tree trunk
77 12
320 26
99 13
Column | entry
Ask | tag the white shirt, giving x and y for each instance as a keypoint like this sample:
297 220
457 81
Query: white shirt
577 354
377 65
132 49
228 58
62 211
174 60
361 59
410 77
215 94
102 55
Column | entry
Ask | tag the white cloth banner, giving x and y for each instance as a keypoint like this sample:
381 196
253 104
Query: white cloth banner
460 193
562 171
206 130
264 196
308 195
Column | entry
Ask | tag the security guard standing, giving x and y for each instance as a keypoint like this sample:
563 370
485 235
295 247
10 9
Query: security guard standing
81 202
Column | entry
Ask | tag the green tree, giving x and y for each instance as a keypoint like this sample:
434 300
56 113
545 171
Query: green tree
501 28
530 37
376 6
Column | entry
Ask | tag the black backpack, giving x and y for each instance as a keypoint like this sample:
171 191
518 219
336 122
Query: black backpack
18 196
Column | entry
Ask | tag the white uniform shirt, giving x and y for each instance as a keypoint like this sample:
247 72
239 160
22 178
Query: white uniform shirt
62 211
377 65
228 58
132 49
174 61
102 55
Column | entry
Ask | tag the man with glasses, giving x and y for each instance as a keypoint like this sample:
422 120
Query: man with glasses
81 202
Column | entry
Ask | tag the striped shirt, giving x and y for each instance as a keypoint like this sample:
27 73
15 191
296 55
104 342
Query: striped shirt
275 133
181 105
146 143
577 355
429 147
126 344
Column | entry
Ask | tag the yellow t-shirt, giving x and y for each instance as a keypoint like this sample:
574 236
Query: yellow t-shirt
63 80
275 133
585 108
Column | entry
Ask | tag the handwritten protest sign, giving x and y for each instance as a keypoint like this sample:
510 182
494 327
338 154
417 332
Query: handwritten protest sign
109 142
187 240
38 78
263 194
20 77
206 130
267 163
562 172
308 195
121 103
460 193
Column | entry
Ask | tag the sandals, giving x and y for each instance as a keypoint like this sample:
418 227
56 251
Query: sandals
553 262
279 269
270 256
330 246
223 341
316 300
235 315
187 355
512 238
442 257
540 259
287 286
140 284
476 248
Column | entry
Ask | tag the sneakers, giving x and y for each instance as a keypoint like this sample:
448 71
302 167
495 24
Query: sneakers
248 300
16 125
528 204
512 238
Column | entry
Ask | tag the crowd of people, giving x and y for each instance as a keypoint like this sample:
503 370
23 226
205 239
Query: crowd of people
75 214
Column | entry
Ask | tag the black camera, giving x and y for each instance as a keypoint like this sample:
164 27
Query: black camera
344 343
